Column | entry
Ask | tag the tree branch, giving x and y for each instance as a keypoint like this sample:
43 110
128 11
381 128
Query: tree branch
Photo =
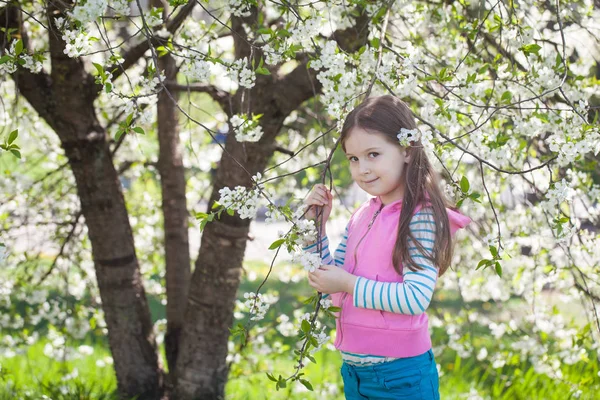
220 96
135 53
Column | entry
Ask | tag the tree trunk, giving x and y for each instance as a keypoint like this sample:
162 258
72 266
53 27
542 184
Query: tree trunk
123 299
201 366
65 99
175 214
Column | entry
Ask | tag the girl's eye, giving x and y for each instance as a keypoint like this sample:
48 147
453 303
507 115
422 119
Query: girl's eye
352 159
375 154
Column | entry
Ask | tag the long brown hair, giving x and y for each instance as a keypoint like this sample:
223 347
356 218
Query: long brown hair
386 115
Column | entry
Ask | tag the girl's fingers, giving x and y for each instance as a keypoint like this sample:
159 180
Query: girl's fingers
318 200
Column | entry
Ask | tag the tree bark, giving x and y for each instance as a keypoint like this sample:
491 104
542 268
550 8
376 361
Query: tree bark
175 213
65 100
201 366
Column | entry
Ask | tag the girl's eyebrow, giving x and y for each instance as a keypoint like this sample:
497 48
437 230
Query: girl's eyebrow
367 150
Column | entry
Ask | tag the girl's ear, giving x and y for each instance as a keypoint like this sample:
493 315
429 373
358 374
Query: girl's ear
406 155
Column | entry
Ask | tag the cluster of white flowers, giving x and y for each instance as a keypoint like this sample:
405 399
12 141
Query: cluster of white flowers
239 8
285 327
258 305
163 33
31 64
333 68
241 200
272 57
577 145
408 135
153 17
241 74
196 69
305 33
273 214
326 303
120 6
557 195
245 130
309 261
89 11
152 84
77 42
306 231
9 67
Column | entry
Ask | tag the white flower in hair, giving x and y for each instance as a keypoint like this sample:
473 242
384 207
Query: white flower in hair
408 135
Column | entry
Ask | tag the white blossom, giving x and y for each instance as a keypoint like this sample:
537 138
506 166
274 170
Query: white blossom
241 200
196 69
245 130
405 136
241 74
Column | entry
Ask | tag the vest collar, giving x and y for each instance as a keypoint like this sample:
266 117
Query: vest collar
377 204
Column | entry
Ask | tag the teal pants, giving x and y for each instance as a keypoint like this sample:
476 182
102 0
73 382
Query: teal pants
414 378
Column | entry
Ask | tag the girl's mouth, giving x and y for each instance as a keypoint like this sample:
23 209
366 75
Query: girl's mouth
369 182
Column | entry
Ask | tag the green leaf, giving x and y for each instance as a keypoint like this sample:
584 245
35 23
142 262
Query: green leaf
281 383
16 153
530 48
306 384
201 215
375 43
506 97
334 309
305 326
483 263
464 184
276 244
494 251
230 211
19 47
264 31
139 130
271 377
13 136
5 59
119 133
203 224
262 71
99 68
311 358
498 269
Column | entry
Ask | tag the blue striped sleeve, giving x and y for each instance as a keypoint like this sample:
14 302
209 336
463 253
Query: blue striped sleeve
414 295
340 252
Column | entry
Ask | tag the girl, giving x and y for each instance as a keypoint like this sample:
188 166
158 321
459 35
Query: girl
393 249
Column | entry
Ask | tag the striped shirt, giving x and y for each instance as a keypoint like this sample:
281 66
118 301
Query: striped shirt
411 297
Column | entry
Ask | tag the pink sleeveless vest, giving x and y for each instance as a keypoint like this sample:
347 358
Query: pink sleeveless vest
374 332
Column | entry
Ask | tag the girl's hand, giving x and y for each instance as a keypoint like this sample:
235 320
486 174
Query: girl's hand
319 196
332 279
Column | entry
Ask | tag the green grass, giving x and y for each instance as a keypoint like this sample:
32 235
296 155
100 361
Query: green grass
30 375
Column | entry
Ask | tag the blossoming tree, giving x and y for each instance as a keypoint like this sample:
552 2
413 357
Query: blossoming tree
504 93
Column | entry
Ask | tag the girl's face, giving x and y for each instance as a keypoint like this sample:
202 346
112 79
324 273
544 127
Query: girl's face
376 164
